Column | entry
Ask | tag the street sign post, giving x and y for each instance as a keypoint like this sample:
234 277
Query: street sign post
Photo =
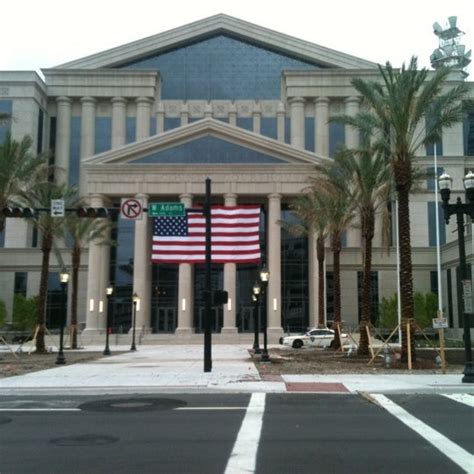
57 207
166 209
131 209
440 323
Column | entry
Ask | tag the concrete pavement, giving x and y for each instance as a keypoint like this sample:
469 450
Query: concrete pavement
180 369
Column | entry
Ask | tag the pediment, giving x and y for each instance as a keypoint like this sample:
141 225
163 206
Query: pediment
206 142
219 24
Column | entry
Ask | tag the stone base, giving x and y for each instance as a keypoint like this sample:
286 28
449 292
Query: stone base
184 331
274 334
93 331
229 330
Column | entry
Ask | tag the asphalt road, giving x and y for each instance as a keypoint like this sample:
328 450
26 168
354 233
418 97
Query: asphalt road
263 433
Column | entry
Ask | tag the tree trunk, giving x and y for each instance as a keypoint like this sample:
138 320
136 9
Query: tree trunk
320 253
368 226
43 294
406 275
76 262
336 250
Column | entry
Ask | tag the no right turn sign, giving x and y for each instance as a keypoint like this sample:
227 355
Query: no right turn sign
131 209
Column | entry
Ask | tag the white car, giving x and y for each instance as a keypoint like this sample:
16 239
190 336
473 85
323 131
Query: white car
313 338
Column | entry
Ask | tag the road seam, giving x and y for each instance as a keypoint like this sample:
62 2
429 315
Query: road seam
458 455
244 453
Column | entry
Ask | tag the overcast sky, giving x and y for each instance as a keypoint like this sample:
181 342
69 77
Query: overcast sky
40 34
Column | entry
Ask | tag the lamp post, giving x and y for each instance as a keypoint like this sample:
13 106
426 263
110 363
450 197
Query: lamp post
108 291
135 299
459 209
256 299
264 275
63 278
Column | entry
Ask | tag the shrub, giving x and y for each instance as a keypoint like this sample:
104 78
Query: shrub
24 312
388 317
3 313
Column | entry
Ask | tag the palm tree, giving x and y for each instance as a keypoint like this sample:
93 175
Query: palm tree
365 177
81 231
394 109
40 196
19 169
312 211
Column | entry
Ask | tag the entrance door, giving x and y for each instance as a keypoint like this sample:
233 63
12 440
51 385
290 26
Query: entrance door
166 319
216 319
247 319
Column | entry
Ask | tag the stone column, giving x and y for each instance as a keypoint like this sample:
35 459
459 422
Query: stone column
233 115
184 114
97 278
230 281
185 288
88 105
257 117
274 266
321 125
351 109
313 288
63 138
297 122
281 114
119 122
143 117
160 118
142 268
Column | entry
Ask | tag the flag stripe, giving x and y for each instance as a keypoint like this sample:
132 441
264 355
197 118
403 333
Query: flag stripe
234 234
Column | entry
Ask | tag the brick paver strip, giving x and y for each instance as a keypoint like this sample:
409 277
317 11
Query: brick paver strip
315 387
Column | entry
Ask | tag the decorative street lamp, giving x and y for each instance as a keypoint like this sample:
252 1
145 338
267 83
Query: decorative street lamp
108 291
63 279
264 276
256 299
135 299
459 209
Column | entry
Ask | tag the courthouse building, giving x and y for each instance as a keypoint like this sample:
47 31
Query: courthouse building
245 106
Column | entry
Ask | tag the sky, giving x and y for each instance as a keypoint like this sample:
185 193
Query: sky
41 34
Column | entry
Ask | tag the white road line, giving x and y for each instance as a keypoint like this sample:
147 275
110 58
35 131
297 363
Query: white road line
211 408
40 409
244 454
458 455
461 398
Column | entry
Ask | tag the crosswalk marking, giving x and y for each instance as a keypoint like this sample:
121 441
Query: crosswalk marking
461 398
454 452
40 409
244 454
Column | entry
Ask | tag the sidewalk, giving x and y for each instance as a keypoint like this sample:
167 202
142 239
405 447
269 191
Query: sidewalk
155 369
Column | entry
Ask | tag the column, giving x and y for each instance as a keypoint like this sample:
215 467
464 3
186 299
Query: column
313 288
88 106
96 304
321 124
233 114
297 122
184 114
143 117
119 122
257 117
281 114
274 266
230 279
185 288
63 138
160 118
142 269
351 109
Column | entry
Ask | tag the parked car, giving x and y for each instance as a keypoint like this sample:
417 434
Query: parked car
315 337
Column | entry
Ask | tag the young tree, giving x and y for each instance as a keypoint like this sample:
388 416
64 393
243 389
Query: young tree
40 196
394 111
19 170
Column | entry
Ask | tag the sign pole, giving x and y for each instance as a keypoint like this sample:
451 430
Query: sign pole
207 292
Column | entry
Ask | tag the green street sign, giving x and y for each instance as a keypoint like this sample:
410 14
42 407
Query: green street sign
170 209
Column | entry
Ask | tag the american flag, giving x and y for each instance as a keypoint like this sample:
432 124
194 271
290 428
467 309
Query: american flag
234 236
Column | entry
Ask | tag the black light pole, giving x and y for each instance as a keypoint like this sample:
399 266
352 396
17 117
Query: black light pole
109 291
459 209
63 278
264 275
256 299
135 300
208 281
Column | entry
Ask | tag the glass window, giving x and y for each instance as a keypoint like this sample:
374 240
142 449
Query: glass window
21 282
6 106
245 122
75 151
131 125
103 134
430 182
268 127
468 130
171 122
221 67
39 137
309 133
164 297
432 224
337 137
54 306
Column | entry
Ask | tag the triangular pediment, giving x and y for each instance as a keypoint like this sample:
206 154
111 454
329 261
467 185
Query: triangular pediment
215 25
210 142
